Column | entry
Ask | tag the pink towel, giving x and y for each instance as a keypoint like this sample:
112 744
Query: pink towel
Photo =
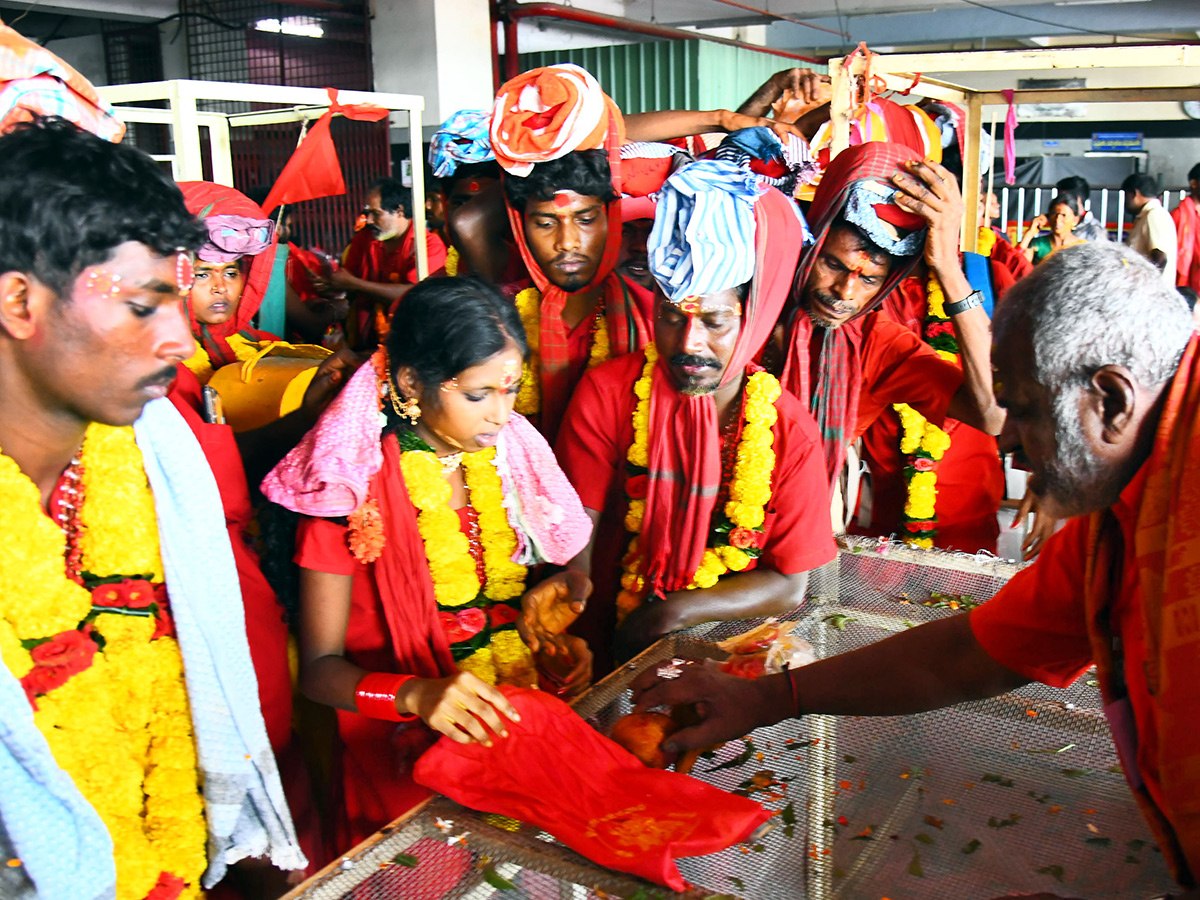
551 513
329 473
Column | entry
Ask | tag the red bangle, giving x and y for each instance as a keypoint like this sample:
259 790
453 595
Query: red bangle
375 696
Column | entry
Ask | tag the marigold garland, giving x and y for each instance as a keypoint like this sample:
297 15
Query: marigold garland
736 535
106 681
922 443
451 261
505 658
529 307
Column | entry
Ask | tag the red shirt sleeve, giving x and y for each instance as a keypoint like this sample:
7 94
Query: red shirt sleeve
799 536
899 367
1036 624
321 546
597 429
435 250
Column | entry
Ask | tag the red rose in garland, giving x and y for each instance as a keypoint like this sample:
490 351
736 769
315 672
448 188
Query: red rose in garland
637 487
743 538
71 651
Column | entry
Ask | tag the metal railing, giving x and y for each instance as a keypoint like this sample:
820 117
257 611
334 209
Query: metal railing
1031 200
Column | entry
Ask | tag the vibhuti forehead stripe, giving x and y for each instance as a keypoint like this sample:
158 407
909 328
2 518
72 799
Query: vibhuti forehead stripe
694 305
512 374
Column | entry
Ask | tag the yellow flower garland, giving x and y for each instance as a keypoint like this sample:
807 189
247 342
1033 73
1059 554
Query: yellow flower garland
452 568
451 261
121 728
986 241
749 488
920 439
529 307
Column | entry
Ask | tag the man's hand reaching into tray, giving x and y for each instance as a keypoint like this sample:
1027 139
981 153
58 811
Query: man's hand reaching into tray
729 707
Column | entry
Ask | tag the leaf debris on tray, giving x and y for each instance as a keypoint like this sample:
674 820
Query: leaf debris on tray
405 859
972 845
1055 872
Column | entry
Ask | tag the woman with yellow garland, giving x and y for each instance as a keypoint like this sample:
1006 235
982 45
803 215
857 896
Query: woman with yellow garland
409 611
691 459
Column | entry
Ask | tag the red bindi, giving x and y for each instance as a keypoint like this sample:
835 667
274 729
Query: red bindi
561 200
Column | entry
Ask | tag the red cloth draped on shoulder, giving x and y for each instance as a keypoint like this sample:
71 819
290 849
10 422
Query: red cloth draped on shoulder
556 772
402 574
685 441
219 200
1010 257
838 369
1187 224
1167 545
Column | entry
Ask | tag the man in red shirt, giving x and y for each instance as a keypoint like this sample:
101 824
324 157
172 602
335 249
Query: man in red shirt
1097 366
380 265
690 447
877 209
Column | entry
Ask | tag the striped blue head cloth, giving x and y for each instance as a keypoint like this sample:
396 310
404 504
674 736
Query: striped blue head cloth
703 235
463 138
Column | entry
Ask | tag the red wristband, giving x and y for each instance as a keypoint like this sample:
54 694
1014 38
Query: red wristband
375 696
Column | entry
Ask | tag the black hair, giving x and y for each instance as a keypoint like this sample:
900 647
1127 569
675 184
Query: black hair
1188 295
393 196
1144 184
446 325
1194 173
585 172
486 169
69 198
1076 186
1071 201
865 244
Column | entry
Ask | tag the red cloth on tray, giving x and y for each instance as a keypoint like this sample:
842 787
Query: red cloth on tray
554 771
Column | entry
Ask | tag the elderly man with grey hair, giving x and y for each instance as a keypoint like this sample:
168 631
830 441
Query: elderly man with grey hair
1097 365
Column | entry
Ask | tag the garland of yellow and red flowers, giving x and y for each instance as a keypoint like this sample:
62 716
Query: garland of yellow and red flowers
529 307
93 646
922 443
737 533
478 611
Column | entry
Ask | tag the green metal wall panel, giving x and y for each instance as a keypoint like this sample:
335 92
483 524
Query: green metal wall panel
639 77
680 74
728 75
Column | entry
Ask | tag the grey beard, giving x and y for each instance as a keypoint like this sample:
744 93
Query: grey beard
1075 480
821 323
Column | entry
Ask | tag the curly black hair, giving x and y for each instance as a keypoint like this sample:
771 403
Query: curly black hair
586 172
69 198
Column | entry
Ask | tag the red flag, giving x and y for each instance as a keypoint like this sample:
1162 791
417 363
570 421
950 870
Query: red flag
314 170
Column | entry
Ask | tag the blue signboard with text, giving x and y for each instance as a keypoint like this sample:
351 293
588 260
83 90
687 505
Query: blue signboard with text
1116 141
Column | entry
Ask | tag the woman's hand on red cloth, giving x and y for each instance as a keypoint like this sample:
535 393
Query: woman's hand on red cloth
459 707
728 706
573 654
548 609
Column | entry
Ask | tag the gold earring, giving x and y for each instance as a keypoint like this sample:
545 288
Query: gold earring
406 409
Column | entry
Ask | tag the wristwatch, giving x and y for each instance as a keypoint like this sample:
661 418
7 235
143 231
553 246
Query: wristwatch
973 299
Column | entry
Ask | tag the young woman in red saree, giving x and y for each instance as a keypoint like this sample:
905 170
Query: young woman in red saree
410 607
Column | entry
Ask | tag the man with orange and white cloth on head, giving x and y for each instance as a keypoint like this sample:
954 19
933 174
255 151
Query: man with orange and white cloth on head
715 473
557 136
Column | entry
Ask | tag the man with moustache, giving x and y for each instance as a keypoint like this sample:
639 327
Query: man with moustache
704 479
380 265
120 598
1096 364
877 210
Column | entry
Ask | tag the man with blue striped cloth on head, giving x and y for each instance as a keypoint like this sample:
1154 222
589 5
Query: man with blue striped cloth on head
704 479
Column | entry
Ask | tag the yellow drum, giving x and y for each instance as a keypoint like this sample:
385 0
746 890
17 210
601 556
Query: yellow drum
268 385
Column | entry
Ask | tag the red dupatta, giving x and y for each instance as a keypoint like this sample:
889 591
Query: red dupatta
401 575
685 442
